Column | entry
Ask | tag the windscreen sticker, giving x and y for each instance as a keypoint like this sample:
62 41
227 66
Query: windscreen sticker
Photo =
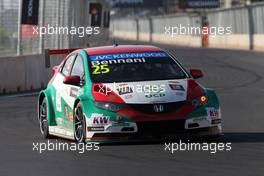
128 56
100 69
117 61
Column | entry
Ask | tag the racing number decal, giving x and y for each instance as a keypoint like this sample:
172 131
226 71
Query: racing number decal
100 69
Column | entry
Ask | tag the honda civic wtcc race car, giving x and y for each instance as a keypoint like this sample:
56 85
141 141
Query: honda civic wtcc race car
125 91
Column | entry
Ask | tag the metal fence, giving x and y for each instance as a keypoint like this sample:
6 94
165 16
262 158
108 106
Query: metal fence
65 13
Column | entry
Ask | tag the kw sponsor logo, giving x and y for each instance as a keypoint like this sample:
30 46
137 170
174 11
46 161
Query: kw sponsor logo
100 119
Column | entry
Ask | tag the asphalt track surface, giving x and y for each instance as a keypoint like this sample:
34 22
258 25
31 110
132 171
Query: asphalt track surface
237 77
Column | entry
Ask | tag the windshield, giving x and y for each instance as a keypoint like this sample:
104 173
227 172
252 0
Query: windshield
131 67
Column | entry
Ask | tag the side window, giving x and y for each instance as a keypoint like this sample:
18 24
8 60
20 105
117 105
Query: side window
67 65
78 68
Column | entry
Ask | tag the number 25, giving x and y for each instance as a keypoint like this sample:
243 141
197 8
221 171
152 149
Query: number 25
99 69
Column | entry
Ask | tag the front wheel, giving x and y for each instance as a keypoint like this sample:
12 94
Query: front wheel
43 119
79 124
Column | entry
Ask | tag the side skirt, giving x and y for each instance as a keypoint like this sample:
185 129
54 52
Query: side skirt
61 132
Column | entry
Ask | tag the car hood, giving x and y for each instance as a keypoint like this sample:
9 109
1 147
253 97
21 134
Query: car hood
162 91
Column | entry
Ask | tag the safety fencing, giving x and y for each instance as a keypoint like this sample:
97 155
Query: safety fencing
245 25
22 59
16 39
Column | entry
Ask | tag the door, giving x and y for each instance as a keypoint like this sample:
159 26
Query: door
61 99
71 92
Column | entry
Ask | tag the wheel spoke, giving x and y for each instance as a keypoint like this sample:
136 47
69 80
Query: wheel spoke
43 118
79 124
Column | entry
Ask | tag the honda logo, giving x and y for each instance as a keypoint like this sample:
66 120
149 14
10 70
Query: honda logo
158 108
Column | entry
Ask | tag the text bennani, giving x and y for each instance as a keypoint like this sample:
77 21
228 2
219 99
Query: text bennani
118 61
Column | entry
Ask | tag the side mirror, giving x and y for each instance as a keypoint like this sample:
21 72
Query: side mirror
72 80
196 73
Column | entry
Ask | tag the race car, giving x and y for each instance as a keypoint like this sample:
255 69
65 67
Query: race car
125 91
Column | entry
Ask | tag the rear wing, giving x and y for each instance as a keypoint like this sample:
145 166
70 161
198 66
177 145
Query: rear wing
49 52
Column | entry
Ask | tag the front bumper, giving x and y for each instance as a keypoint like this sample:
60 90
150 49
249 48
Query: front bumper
104 127
154 130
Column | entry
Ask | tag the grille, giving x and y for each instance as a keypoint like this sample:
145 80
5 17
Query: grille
161 127
167 107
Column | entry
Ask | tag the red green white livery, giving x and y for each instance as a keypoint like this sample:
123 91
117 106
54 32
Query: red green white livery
122 92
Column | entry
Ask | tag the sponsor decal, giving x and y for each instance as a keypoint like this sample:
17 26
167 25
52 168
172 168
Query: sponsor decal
176 87
68 114
58 102
99 128
59 121
116 56
155 95
99 119
213 113
124 89
120 124
73 92
154 91
97 63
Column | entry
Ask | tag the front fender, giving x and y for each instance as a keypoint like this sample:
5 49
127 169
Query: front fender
213 102
50 110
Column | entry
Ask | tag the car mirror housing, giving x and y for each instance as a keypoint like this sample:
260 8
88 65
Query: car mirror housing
72 80
196 73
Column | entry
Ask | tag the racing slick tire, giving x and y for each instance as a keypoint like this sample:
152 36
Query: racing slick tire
79 124
43 119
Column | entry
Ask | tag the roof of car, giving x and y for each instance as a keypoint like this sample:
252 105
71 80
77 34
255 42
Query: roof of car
121 49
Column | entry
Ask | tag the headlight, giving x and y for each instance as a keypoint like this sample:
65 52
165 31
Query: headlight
199 101
109 106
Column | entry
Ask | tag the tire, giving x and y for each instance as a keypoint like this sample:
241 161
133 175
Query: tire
43 119
79 124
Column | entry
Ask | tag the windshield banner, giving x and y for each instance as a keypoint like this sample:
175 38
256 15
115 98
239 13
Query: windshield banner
128 55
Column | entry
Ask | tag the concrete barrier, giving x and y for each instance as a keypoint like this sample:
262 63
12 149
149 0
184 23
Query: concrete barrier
245 25
233 41
182 40
24 73
258 42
